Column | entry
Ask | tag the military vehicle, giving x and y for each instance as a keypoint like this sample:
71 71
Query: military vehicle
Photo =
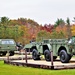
7 45
64 48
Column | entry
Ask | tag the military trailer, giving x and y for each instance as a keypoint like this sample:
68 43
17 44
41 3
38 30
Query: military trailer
64 48
7 45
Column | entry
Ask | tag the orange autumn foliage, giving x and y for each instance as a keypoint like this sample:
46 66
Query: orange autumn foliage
62 29
73 30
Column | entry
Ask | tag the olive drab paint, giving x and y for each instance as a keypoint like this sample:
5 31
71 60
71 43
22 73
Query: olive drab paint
64 48
7 45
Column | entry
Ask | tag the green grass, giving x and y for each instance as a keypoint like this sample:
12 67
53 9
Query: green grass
19 70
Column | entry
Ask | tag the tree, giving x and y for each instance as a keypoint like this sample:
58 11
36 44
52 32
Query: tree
68 21
74 19
73 30
4 21
59 22
43 35
57 35
68 28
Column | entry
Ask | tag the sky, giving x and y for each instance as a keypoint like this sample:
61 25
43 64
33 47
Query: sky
41 11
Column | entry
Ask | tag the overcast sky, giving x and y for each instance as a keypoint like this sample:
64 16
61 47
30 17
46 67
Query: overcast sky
41 11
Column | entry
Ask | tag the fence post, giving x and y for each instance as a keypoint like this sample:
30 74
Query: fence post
7 56
52 66
26 56
29 51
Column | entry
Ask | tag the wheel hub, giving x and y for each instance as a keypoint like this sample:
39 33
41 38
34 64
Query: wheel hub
63 56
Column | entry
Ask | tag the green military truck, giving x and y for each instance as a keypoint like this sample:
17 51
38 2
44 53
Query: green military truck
64 48
7 45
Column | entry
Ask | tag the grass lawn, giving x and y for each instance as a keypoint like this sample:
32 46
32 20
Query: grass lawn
19 70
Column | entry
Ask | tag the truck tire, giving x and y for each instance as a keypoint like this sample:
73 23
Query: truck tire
70 56
1 53
64 57
47 55
4 53
35 55
11 53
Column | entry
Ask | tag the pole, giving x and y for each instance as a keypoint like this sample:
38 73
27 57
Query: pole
26 56
8 56
52 66
29 51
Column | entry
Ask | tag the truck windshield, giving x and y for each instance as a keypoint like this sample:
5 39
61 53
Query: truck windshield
7 42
